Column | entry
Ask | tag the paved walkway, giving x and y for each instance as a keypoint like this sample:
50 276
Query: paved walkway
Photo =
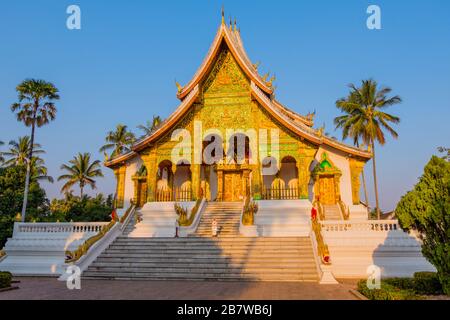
51 288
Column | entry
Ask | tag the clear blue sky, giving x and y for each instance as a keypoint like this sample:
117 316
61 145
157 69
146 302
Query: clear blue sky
121 67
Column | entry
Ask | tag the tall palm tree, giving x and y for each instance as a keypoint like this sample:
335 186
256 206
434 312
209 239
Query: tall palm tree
345 123
35 108
150 126
20 150
367 120
119 140
81 171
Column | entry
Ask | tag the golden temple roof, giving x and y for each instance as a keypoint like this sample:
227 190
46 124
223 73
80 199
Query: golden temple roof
261 90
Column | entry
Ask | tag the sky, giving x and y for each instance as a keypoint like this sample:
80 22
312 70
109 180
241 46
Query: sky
122 65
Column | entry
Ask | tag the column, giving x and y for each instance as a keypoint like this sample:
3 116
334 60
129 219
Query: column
195 172
152 169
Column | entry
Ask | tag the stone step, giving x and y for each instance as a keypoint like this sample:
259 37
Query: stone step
201 261
204 246
199 257
170 241
205 263
218 271
201 276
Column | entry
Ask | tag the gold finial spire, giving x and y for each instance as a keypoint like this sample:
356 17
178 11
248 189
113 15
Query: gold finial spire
235 28
223 15
231 23
179 87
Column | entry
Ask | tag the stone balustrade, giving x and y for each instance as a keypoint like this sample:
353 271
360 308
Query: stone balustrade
371 225
70 227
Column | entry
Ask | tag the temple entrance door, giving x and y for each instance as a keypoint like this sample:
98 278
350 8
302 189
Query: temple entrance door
327 190
232 186
142 194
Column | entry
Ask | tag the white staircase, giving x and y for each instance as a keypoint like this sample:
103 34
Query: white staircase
201 258
332 212
227 215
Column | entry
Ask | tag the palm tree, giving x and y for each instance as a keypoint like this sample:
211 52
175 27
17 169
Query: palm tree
39 171
150 126
366 120
35 108
345 123
119 140
81 171
20 150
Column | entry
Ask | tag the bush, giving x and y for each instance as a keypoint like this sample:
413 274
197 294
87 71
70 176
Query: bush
427 283
401 283
5 279
387 292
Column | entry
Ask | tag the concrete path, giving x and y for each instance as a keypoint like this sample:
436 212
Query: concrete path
51 288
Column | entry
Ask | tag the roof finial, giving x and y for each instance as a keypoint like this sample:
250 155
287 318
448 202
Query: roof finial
223 14
235 25
231 23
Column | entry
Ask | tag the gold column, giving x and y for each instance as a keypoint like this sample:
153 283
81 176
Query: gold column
120 188
219 185
304 175
356 168
195 171
257 182
152 169
136 189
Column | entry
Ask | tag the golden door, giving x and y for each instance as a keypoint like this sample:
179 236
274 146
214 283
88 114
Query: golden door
232 187
142 194
327 191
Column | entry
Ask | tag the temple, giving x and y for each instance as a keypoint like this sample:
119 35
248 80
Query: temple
224 189
229 104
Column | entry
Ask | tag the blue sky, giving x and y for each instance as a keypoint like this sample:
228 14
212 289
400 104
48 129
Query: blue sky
121 66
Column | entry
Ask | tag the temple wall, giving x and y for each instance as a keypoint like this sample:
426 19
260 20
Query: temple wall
132 166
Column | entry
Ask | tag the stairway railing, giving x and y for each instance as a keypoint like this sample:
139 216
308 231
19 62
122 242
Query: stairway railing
322 247
345 211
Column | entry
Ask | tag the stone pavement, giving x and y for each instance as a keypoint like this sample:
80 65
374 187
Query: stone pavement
52 289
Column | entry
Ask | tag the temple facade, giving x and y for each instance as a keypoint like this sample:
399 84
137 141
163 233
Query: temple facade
230 138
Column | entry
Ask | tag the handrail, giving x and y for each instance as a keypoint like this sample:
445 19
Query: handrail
321 212
248 213
183 220
322 247
73 256
125 219
344 210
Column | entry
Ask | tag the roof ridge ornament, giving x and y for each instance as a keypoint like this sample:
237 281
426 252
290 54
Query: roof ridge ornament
179 86
223 14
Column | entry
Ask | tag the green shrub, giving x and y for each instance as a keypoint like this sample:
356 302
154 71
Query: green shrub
427 283
386 292
5 279
401 283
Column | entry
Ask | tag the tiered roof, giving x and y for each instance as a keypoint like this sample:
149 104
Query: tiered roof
261 89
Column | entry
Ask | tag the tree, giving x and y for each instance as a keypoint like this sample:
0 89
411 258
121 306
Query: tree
35 108
150 126
20 150
18 155
1 153
81 171
119 140
426 209
345 123
446 152
12 180
367 120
